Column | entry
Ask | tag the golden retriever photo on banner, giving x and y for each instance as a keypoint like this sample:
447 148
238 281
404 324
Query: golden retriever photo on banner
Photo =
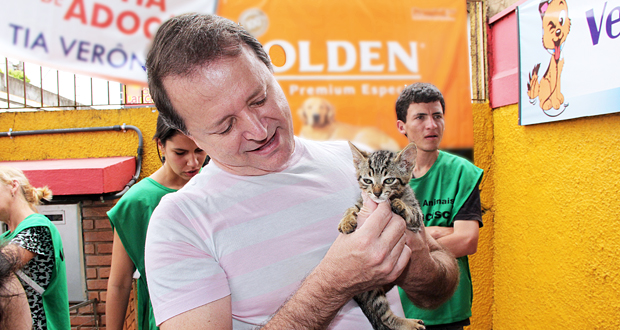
319 123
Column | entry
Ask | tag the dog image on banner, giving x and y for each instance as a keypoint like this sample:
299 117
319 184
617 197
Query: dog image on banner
555 26
318 118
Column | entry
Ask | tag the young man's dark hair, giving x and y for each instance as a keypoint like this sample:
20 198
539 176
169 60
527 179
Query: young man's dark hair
417 93
187 42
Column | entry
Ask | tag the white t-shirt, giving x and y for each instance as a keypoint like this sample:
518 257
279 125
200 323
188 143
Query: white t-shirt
254 238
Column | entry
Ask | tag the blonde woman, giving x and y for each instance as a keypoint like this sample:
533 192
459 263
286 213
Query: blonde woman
37 244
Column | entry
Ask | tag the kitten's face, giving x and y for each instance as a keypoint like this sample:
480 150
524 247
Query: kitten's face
384 174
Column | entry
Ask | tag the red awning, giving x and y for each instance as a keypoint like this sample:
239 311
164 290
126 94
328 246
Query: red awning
79 176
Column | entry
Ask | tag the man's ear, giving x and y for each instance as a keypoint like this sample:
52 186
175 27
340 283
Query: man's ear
400 125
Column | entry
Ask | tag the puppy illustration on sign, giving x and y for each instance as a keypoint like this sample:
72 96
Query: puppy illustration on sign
556 26
319 123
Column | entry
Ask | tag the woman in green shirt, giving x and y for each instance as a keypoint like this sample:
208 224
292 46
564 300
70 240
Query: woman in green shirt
37 244
181 160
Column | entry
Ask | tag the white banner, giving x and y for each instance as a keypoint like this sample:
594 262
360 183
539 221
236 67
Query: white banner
107 39
568 59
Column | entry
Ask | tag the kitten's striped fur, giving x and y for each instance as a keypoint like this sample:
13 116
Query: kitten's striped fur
385 175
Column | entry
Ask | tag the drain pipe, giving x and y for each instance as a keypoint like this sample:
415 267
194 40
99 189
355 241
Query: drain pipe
122 128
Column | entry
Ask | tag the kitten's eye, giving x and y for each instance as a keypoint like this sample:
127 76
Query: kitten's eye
389 180
367 181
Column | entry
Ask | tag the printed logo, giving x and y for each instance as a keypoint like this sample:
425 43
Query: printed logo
254 21
555 27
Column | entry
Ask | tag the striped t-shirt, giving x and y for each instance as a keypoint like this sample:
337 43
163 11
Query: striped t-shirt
254 238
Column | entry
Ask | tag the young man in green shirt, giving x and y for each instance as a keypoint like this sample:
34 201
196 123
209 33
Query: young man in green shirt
447 188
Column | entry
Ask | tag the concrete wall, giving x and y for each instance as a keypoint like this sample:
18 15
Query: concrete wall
554 205
96 230
80 145
557 247
33 94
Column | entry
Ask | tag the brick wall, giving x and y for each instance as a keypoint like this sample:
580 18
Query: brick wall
98 237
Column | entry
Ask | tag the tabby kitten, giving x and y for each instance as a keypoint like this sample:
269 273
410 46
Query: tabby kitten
385 175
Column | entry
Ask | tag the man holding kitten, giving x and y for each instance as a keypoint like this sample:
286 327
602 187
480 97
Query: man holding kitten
252 240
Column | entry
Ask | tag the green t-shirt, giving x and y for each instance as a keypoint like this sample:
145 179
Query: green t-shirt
56 297
130 218
442 191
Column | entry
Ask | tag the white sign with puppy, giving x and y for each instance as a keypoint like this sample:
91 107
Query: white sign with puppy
568 59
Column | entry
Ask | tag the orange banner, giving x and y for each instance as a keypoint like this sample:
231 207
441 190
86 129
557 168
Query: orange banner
342 64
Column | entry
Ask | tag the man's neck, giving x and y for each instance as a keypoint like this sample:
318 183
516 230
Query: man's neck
424 161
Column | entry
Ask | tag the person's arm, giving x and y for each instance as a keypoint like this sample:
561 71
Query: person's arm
214 315
15 305
432 274
22 254
119 285
462 239
374 255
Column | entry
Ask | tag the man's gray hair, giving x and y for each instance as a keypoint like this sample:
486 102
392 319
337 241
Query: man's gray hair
187 42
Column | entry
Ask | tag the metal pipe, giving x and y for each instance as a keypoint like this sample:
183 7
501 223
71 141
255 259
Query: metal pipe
24 81
8 92
41 82
123 128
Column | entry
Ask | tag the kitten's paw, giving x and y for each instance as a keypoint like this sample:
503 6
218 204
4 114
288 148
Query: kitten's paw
347 226
417 324
408 324
413 228
416 220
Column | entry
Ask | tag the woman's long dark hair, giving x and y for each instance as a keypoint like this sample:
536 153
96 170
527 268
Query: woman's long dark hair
163 133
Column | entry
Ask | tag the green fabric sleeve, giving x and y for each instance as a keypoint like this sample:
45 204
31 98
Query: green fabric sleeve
130 219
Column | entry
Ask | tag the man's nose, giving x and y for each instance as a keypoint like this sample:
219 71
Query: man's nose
253 128
430 123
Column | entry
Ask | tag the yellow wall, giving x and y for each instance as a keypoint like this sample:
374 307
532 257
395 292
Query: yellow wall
556 243
80 145
549 251
481 263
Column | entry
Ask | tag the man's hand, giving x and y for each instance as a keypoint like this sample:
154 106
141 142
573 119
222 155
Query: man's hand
373 255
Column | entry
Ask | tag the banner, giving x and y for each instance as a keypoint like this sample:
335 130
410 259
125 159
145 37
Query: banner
344 63
106 39
568 59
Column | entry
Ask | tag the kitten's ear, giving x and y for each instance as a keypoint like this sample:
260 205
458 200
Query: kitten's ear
358 155
406 157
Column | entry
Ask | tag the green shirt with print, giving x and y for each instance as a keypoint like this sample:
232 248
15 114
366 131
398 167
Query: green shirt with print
442 191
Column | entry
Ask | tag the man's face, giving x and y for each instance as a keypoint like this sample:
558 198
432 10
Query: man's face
424 126
236 111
